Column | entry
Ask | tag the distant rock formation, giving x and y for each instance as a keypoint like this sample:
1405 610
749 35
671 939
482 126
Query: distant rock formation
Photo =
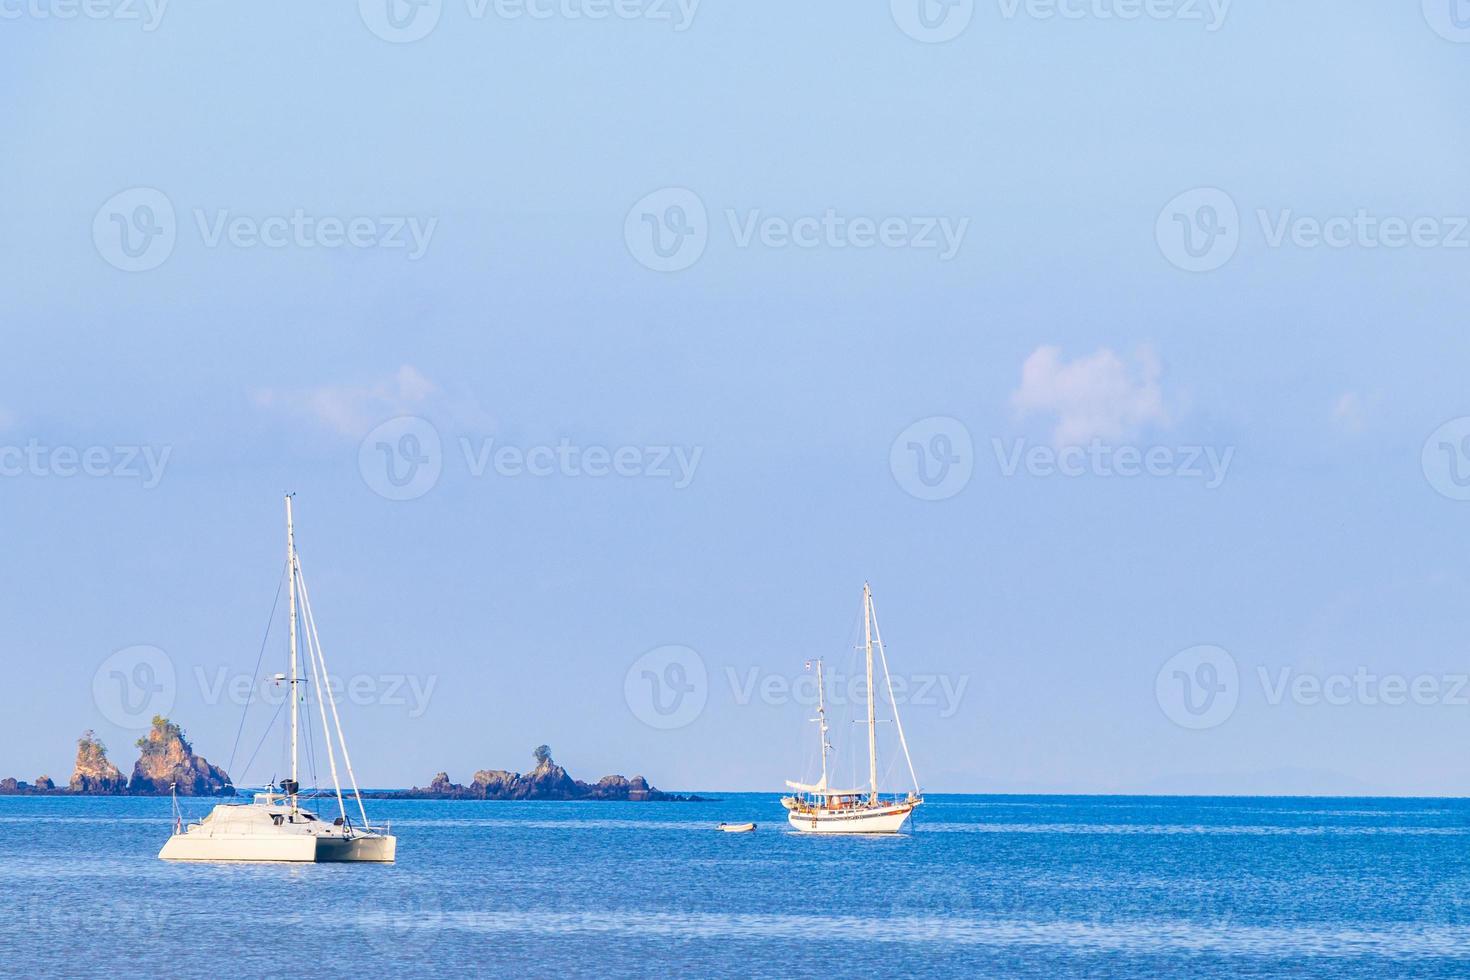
166 758
548 781
167 761
94 774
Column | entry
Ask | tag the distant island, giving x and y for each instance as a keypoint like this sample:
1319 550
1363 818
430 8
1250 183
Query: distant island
548 781
166 760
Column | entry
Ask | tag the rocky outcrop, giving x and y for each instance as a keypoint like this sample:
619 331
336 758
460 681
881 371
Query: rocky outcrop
167 761
94 774
548 781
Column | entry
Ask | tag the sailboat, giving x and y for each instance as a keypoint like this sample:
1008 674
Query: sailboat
276 827
817 808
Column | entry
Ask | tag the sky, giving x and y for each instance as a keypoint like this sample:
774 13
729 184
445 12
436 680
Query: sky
611 347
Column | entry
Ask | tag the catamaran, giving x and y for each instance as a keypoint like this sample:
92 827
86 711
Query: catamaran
817 808
276 827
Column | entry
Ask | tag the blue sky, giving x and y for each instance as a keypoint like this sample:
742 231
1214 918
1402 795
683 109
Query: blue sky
495 176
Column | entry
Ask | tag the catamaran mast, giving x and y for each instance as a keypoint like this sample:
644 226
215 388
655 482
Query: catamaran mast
291 572
872 702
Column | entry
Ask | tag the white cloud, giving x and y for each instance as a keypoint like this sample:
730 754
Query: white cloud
351 410
1099 396
1350 412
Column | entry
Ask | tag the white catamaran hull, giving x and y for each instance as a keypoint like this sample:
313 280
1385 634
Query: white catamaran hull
882 820
279 847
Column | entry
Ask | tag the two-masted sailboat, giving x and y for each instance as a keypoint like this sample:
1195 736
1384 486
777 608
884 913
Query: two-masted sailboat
276 827
817 808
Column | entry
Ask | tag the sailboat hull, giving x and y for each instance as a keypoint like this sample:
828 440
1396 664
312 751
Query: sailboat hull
279 848
891 819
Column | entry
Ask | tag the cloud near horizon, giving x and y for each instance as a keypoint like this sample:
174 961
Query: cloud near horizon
351 410
1097 396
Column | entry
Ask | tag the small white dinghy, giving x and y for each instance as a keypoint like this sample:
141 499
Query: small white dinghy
276 827
736 828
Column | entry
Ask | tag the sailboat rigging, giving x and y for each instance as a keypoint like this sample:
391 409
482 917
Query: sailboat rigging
817 807
275 827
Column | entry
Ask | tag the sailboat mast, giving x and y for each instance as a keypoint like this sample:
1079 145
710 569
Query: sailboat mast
872 703
295 703
822 722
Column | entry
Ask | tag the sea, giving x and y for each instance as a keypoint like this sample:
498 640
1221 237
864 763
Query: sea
1008 886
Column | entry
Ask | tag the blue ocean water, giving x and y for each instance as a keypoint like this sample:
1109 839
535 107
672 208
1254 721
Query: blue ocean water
986 885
